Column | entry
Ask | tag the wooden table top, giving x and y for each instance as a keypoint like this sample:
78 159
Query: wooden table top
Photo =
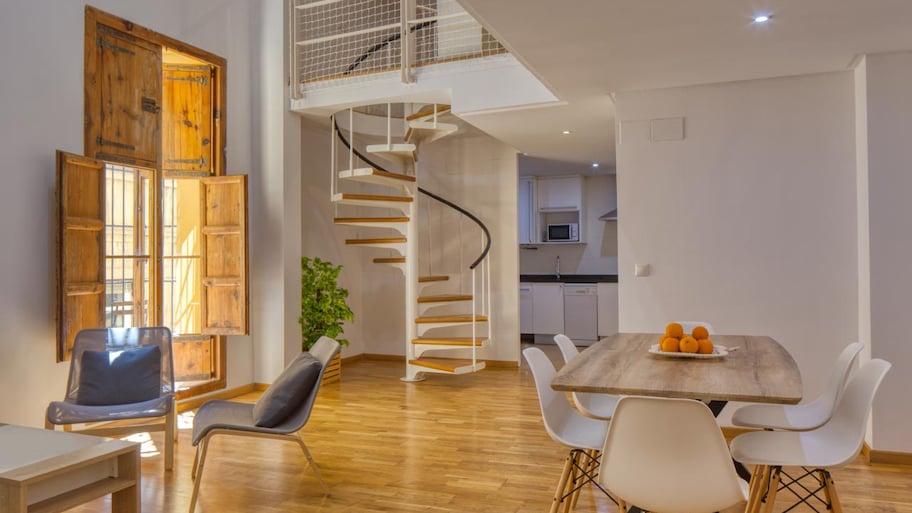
27 451
759 371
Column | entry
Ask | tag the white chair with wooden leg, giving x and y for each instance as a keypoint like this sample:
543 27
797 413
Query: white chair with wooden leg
280 413
596 406
669 455
584 436
832 445
805 416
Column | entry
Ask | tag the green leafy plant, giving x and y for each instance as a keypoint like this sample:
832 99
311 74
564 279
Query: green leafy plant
323 305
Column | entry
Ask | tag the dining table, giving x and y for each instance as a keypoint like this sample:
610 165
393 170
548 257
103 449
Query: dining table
749 368
754 369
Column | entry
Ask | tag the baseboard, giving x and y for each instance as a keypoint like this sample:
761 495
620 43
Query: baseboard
887 457
352 359
384 357
506 364
501 364
228 393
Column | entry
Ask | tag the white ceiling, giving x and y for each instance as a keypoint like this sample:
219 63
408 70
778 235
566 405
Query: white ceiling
584 50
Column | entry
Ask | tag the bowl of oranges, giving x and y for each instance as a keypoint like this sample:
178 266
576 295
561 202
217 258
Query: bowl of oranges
678 344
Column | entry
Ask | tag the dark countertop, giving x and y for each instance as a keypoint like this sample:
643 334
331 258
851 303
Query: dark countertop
569 278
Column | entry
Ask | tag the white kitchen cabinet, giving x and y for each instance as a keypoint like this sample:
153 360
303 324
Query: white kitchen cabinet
607 309
547 308
560 201
527 211
560 193
525 308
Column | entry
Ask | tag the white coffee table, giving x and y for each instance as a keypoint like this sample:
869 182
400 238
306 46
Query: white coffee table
45 471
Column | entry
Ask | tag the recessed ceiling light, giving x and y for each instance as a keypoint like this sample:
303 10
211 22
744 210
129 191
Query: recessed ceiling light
566 132
595 164
763 18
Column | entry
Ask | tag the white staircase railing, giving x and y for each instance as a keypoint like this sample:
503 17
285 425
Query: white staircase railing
361 39
479 272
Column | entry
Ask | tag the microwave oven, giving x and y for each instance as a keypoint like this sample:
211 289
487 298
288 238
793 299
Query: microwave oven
563 232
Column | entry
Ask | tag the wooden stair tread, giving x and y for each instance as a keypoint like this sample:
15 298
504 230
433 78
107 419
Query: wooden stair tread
342 220
387 240
426 279
445 298
441 108
374 197
450 341
444 364
389 260
439 129
394 176
450 318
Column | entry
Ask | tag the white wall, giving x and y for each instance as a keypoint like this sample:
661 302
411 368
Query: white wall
41 110
749 222
886 80
479 173
599 254
320 238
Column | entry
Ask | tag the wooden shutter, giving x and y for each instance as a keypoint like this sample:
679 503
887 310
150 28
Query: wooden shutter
224 255
187 118
123 97
80 247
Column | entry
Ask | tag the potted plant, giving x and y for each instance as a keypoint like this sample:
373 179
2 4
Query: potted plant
323 308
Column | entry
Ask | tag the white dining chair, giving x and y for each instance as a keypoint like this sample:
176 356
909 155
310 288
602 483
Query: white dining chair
596 406
584 436
834 444
805 416
669 455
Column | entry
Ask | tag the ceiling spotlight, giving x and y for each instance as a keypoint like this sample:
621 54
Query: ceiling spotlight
566 132
595 164
761 19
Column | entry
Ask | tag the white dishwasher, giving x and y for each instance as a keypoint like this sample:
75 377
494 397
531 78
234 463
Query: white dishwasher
581 313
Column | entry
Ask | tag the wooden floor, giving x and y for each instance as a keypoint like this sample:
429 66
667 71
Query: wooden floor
449 444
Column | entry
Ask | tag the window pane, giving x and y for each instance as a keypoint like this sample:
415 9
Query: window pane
127 191
181 251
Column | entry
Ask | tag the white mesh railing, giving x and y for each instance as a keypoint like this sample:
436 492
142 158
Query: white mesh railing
444 31
359 39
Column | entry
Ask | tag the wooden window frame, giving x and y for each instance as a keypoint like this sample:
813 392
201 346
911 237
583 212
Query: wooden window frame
97 24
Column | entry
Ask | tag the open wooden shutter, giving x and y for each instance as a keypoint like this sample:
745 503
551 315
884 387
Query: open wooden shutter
80 246
224 255
123 99
187 119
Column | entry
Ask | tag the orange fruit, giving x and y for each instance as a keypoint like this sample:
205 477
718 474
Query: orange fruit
700 332
675 330
689 345
706 346
669 345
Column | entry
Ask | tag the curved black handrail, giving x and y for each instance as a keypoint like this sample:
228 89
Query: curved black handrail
487 234
382 44
484 228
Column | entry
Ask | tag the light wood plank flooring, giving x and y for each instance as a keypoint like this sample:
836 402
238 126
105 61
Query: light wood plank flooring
470 443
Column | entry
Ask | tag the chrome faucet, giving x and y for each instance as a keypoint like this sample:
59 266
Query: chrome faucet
557 267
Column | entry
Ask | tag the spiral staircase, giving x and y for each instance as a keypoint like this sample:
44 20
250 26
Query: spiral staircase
446 315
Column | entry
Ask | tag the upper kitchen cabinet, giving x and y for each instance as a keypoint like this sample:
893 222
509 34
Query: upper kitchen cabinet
560 194
551 209
560 209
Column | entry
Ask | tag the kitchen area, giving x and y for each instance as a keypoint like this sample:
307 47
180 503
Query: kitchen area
568 256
